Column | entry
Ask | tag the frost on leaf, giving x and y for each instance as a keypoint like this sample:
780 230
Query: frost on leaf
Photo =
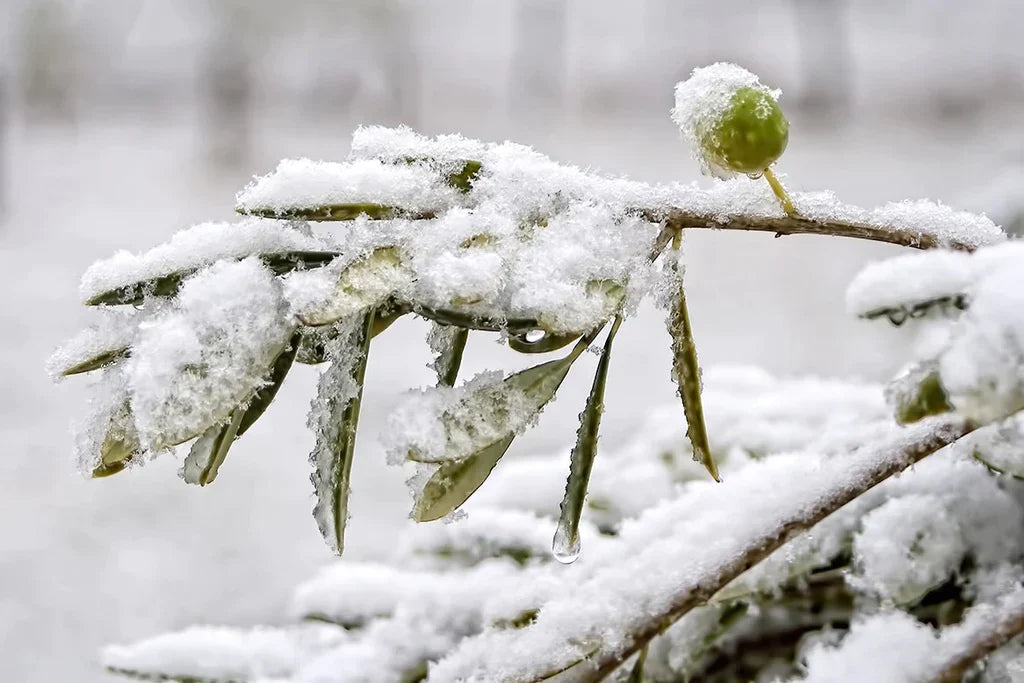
466 430
333 418
127 278
365 283
195 362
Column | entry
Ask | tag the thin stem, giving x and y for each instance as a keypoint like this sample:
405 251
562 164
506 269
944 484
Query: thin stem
795 224
697 593
780 192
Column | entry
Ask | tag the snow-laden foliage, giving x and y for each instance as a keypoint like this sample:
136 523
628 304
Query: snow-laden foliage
810 559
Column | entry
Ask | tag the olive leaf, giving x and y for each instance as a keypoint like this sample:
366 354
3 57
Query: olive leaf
447 316
454 481
566 543
366 282
313 340
210 449
636 675
330 212
918 393
686 373
99 360
120 443
539 341
448 343
167 285
461 180
336 424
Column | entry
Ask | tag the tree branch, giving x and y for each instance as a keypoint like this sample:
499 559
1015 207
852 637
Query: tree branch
799 225
803 517
1001 630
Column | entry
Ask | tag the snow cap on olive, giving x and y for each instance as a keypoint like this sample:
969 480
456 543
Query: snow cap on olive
732 121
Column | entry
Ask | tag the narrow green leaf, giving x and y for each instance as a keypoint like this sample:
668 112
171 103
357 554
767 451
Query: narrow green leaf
120 444
448 343
566 543
539 341
446 316
335 212
264 396
168 285
100 360
367 282
686 372
637 674
332 455
454 481
210 449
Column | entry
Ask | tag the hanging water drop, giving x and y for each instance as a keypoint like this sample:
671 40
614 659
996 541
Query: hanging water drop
566 544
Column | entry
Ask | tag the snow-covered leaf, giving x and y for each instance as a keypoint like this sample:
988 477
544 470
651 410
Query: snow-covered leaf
365 283
447 344
334 418
196 361
685 369
476 424
566 543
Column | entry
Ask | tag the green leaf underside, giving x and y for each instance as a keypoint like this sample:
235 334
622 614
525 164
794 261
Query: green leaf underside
367 282
583 454
342 441
928 398
686 372
100 360
898 315
446 316
451 358
265 395
119 445
210 450
455 481
336 212
547 343
169 284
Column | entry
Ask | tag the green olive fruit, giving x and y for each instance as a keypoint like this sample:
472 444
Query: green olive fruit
750 135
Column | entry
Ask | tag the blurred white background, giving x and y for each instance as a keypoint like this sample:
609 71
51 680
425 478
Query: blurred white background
122 122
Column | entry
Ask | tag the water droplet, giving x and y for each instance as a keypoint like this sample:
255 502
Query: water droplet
755 176
565 546
534 336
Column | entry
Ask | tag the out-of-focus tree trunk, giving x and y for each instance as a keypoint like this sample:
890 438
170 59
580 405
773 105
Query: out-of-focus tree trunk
48 60
227 85
540 55
824 55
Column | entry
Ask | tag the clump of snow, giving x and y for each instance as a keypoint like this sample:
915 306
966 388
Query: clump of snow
702 100
221 653
905 282
113 331
487 532
298 184
982 369
906 547
196 361
191 249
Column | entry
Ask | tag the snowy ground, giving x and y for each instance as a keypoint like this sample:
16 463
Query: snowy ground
90 562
